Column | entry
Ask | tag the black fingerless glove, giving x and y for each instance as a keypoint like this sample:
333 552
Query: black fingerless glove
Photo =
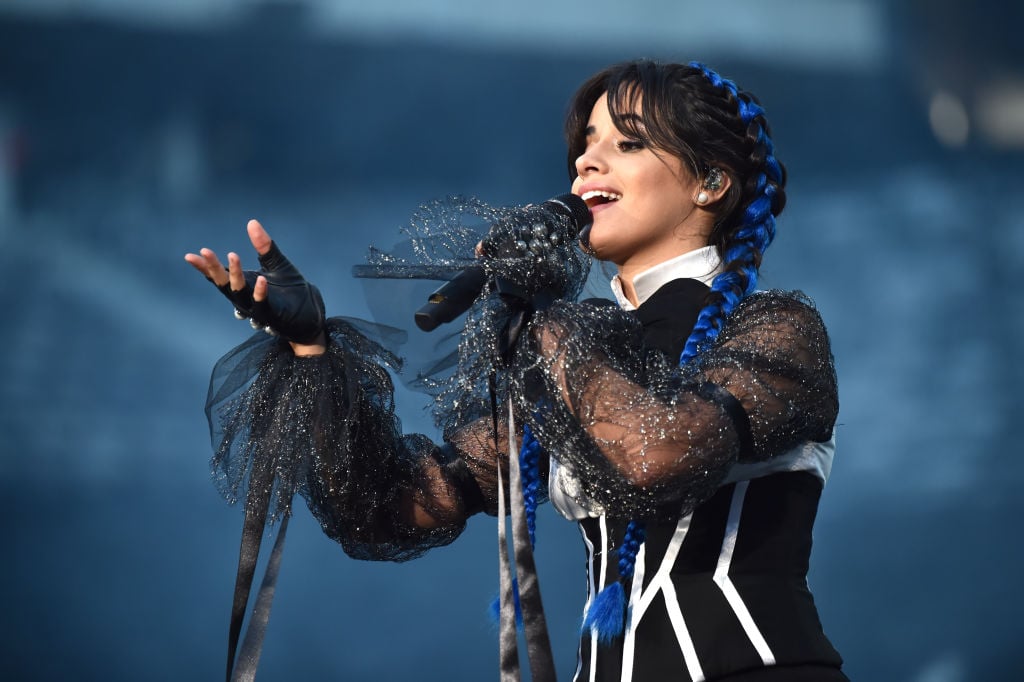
527 275
293 308
531 255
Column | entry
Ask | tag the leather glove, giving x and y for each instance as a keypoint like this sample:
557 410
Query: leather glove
293 308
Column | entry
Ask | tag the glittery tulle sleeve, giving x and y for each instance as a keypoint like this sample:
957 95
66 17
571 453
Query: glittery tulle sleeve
642 437
326 427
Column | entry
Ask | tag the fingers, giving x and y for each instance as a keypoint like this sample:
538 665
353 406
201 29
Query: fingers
197 262
258 236
235 275
259 290
208 265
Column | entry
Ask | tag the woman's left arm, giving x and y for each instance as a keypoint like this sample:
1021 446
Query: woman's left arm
641 433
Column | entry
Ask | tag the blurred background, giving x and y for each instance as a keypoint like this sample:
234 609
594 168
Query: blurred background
132 131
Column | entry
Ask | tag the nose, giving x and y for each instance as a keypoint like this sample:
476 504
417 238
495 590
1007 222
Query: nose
590 161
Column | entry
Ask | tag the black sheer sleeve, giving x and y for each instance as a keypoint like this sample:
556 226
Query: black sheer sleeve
326 425
327 428
643 437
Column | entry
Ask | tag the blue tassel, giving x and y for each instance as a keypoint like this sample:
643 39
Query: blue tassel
607 613
495 609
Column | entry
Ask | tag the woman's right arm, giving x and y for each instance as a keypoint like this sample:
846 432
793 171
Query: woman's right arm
320 414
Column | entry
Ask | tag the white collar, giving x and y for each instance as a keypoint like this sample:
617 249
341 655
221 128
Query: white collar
700 264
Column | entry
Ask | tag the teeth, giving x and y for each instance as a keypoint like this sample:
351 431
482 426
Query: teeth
610 196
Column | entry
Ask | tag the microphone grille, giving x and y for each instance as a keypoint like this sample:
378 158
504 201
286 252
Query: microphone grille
575 208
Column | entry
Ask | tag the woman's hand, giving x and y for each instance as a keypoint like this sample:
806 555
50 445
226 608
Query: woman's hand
276 297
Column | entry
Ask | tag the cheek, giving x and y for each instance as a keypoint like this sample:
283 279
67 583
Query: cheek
670 201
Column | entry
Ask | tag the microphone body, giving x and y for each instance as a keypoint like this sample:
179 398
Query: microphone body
458 294
451 299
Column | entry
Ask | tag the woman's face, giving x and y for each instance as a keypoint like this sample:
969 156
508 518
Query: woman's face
643 201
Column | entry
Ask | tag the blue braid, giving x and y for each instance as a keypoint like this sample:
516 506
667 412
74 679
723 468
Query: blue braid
631 541
752 238
755 234
742 255
529 472
606 615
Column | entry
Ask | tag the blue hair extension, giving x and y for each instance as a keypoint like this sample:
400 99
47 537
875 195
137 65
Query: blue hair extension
635 534
529 472
753 236
742 256
607 613
495 608
715 79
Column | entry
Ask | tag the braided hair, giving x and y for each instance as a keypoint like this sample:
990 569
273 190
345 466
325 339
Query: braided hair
691 112
742 240
705 120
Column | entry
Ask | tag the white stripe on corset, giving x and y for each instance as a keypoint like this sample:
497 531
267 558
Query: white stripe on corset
629 643
725 583
640 600
675 614
590 595
594 590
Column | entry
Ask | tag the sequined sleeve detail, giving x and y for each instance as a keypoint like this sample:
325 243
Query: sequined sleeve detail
327 427
644 438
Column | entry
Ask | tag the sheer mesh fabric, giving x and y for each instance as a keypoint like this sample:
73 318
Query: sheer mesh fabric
637 434
327 429
635 431
632 428
326 426
442 235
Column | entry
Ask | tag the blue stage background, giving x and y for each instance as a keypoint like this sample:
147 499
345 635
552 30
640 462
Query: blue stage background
127 142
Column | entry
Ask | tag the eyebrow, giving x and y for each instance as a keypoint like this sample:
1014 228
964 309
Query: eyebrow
632 118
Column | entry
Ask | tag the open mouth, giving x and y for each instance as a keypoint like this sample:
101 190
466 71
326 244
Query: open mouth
595 198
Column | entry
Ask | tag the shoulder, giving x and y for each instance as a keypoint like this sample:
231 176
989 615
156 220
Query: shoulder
778 320
774 304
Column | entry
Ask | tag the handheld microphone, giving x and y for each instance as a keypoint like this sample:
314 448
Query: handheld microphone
457 295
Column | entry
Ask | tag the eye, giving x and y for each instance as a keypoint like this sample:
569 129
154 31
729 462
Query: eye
630 145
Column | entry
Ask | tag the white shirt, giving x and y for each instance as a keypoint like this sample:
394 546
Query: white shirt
702 265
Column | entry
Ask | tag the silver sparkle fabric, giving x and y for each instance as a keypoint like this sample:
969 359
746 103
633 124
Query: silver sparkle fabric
634 431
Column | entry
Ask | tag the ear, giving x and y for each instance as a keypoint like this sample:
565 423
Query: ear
713 186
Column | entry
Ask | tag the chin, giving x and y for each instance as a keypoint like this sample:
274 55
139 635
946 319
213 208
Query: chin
602 249
593 249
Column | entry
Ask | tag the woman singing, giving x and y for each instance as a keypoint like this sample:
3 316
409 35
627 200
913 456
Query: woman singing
687 427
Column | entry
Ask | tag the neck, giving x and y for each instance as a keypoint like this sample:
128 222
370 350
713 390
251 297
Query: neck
628 270
628 290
